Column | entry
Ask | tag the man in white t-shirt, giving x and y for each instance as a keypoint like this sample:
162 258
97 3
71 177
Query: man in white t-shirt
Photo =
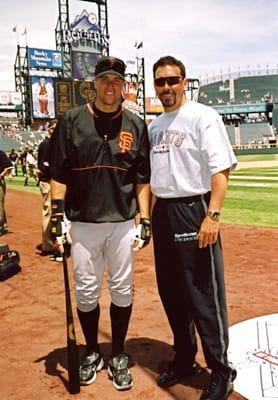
31 171
191 158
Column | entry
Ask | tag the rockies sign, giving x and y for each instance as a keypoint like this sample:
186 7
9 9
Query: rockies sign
84 33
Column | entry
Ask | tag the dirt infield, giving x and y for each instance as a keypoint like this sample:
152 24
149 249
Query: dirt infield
32 312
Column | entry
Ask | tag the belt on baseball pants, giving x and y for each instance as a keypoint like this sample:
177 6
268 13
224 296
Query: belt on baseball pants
187 200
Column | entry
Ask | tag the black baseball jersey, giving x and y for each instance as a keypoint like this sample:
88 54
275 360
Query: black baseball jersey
5 162
100 165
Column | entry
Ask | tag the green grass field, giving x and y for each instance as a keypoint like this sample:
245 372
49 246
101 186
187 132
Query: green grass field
257 157
252 196
18 183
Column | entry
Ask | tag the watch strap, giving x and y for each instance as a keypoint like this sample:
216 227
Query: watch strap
214 215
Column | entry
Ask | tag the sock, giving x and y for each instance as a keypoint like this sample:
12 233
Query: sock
120 317
89 324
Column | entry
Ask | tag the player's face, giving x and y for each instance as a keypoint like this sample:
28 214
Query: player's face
170 86
109 92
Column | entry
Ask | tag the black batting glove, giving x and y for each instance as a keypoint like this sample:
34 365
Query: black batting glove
56 221
142 234
56 226
146 231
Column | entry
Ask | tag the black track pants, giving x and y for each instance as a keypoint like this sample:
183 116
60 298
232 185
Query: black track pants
190 281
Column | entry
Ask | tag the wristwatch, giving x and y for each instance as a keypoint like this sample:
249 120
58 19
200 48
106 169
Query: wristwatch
214 215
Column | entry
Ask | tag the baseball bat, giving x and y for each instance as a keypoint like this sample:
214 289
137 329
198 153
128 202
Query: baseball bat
72 349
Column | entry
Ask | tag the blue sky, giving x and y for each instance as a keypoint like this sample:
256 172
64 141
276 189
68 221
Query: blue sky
207 35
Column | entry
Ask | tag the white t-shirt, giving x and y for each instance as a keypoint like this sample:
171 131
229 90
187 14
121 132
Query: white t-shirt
188 146
30 159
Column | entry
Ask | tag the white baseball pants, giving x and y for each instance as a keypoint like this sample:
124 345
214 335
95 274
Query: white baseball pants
95 245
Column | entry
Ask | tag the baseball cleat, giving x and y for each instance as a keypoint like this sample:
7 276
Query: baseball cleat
57 258
91 364
118 371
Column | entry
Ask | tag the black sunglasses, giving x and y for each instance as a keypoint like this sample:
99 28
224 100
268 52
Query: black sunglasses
170 80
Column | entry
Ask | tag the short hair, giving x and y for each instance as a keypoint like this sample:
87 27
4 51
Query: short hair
169 60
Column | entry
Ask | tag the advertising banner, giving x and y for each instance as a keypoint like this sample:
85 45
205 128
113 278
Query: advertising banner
83 92
63 96
10 101
131 86
130 90
83 65
45 59
131 66
42 97
130 96
153 105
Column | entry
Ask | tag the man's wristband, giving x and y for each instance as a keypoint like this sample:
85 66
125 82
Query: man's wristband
57 206
145 220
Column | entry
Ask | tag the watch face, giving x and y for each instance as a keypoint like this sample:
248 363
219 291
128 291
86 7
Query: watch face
215 215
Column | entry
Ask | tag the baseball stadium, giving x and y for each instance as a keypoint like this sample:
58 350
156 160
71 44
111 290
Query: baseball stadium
34 332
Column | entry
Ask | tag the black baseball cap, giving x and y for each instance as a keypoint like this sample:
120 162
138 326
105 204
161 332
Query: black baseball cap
110 65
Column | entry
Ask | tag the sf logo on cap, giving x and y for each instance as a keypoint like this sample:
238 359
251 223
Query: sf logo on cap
126 141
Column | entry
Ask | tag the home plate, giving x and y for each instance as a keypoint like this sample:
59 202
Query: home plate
253 351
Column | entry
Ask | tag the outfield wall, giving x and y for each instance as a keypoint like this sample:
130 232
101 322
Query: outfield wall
259 150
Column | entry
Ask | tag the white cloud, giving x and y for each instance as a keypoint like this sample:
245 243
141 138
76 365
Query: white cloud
208 35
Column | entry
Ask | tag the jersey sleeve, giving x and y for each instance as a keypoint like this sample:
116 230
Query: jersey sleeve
215 146
143 160
5 162
58 152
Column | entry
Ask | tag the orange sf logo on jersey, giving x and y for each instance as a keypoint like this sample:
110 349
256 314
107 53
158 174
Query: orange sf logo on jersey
126 141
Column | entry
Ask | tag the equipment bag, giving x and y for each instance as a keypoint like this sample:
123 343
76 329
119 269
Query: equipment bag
9 262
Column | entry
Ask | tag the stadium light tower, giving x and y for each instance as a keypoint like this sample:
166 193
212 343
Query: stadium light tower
63 24
141 80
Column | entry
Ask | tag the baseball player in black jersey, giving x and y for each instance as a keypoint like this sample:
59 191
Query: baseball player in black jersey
100 174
